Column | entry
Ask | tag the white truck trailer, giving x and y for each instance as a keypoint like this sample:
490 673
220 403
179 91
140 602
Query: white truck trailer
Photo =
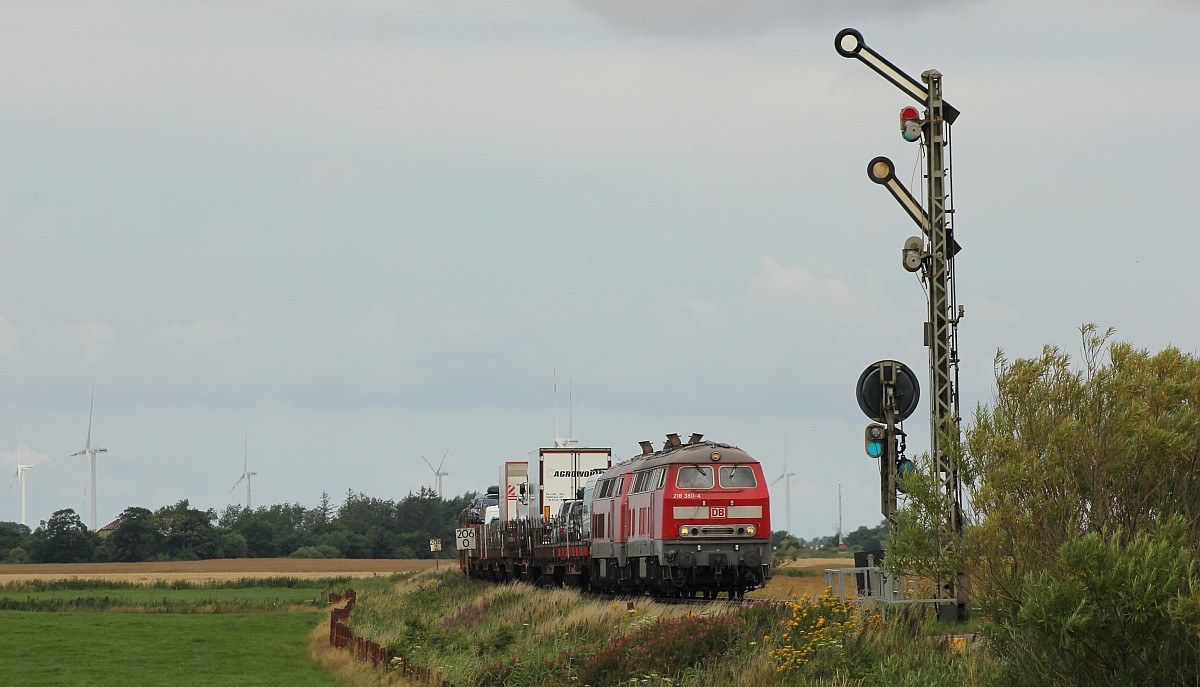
557 474
513 476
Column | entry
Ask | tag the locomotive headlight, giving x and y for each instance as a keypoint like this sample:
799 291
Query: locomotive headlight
684 531
751 530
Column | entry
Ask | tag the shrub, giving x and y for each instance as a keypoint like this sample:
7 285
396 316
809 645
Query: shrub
816 626
1113 610
664 648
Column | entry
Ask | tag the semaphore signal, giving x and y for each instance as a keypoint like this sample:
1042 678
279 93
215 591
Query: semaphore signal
934 260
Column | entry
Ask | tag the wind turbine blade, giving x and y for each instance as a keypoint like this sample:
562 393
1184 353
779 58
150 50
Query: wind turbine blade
777 479
439 468
235 484
91 405
429 464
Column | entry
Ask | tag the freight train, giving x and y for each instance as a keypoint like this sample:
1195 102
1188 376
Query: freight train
691 519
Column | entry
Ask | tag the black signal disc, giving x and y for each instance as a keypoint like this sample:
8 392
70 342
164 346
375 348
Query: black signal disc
869 391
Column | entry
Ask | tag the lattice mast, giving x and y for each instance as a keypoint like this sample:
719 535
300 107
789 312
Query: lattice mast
934 258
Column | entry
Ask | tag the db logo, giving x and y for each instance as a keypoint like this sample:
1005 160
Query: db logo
716 512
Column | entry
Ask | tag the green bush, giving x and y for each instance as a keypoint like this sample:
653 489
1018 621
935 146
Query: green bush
1112 610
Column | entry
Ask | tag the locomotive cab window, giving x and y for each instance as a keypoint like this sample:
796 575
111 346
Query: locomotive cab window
648 480
694 477
642 482
738 477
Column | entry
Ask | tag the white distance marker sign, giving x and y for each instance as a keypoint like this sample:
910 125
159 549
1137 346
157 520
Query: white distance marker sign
465 537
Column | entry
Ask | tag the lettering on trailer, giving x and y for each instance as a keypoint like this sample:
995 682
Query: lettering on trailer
578 473
464 538
716 512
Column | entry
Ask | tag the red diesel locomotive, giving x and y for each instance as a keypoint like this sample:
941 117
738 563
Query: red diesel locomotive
690 519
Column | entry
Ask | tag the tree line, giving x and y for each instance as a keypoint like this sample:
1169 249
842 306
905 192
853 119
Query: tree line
360 527
789 547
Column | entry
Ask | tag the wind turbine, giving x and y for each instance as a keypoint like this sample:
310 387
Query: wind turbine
20 477
787 486
246 474
437 472
91 452
21 470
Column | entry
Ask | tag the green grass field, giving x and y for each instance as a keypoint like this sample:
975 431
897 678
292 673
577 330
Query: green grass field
159 636
121 649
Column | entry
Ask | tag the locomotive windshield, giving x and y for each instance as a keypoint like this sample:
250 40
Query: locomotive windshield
737 477
694 477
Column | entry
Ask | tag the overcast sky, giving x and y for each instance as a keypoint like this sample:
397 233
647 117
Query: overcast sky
359 233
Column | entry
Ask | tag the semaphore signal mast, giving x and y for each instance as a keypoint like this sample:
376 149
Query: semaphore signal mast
933 257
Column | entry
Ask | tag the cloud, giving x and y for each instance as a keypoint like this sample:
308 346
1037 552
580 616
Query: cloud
331 172
90 337
799 290
734 17
994 311
699 311
25 454
200 332
1068 193
380 324
10 342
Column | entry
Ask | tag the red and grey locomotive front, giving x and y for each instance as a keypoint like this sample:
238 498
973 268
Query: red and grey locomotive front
692 517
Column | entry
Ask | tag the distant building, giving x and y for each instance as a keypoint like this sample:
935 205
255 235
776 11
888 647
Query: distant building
109 528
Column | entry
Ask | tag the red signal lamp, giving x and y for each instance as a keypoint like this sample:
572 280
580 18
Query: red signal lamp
910 124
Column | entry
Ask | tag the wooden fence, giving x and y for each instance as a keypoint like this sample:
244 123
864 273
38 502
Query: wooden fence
342 637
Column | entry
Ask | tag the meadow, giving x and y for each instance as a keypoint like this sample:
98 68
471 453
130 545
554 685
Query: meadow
214 626
73 648
470 632
199 623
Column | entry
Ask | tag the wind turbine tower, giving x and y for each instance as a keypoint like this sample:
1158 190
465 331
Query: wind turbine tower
246 474
437 472
91 452
22 468
787 486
